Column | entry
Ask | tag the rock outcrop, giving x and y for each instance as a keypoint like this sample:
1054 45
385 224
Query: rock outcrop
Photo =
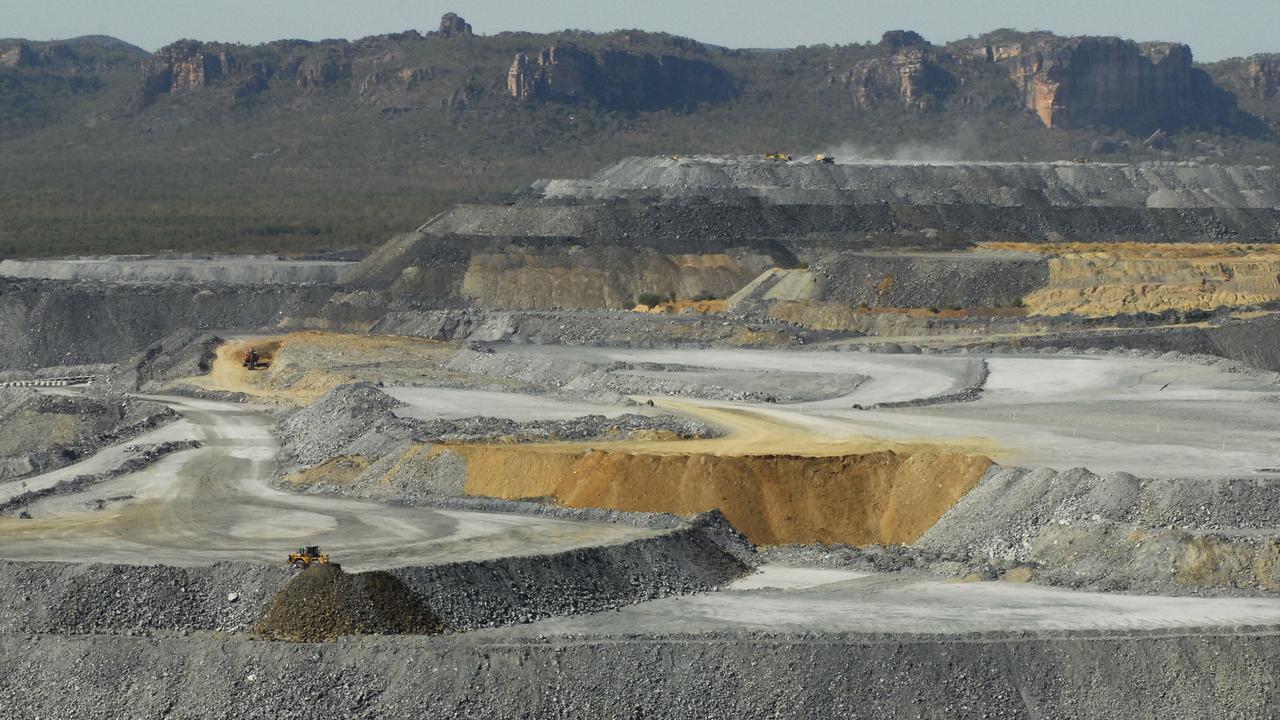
1085 81
913 75
188 65
451 25
185 65
325 71
1263 77
616 79
18 55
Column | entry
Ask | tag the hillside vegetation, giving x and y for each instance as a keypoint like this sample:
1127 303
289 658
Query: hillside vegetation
297 146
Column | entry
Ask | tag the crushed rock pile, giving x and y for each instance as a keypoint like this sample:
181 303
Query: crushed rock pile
611 381
40 433
1120 532
323 603
141 456
181 354
77 599
324 428
587 427
358 420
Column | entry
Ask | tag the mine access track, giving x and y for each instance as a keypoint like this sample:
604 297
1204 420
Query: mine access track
51 382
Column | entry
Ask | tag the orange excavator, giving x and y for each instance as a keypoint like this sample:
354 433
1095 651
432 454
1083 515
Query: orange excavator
253 360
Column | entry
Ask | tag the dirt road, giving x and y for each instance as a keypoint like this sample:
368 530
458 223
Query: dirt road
216 503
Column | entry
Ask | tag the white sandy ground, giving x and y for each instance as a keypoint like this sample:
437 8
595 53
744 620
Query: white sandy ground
1150 417
215 503
837 601
450 404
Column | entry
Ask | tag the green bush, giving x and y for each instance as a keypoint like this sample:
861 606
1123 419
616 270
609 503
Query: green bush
650 299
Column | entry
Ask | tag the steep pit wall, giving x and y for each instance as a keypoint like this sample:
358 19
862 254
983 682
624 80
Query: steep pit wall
940 280
603 278
53 322
529 270
1159 675
875 498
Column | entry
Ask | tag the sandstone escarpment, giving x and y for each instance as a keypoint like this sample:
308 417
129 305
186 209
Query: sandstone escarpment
912 75
188 66
616 79
1084 81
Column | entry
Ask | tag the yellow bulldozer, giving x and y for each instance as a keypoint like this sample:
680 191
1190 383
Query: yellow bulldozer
777 157
306 556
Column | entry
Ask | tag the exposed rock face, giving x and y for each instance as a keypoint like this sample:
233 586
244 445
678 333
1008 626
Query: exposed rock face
1077 82
616 79
323 72
913 75
188 66
185 66
1264 76
898 39
453 26
19 55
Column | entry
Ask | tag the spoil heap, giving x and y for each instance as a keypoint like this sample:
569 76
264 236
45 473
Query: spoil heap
323 603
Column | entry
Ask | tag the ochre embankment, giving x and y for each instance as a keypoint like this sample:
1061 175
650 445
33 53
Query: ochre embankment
1101 280
302 366
873 498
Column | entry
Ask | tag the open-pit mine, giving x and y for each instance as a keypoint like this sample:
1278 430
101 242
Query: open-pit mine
690 437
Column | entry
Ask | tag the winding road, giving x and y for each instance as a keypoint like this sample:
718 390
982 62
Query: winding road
217 503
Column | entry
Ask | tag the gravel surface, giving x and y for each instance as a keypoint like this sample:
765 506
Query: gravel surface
691 556
141 456
1143 675
40 432
360 419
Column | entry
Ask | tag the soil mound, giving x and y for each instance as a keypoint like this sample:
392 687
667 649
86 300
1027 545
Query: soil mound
323 603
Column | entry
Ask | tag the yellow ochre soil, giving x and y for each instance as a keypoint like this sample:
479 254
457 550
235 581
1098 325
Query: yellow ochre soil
776 482
682 305
1104 279
306 365
875 498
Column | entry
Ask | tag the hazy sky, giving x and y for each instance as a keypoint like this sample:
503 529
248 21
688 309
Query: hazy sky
1214 28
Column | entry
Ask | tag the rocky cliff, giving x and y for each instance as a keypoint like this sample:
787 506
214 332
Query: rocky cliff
1086 81
189 65
1255 80
616 78
913 74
